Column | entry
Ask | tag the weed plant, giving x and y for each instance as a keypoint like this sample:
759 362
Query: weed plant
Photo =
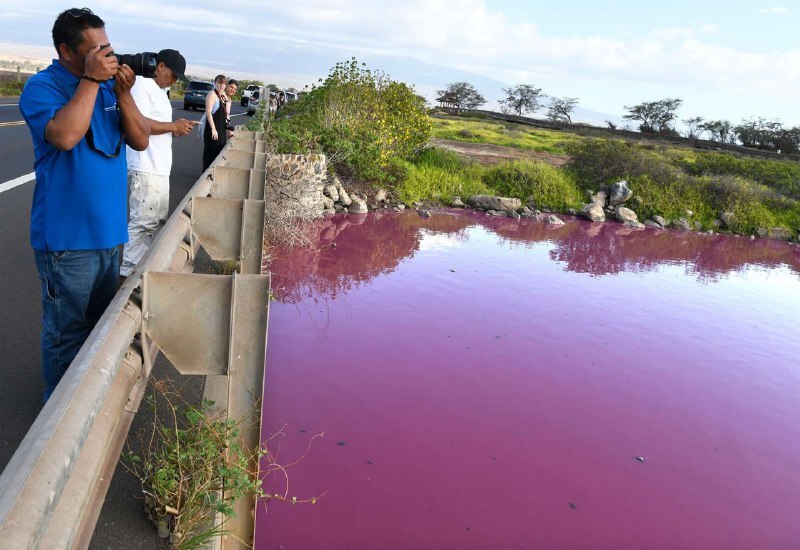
192 468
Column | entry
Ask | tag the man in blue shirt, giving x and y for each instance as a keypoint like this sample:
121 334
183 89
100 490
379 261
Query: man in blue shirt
80 112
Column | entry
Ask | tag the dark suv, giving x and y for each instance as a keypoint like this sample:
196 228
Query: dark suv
196 92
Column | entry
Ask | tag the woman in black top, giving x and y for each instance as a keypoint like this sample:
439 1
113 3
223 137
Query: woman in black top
215 134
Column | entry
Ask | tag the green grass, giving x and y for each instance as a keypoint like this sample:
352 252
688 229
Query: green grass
438 174
666 180
501 133
549 186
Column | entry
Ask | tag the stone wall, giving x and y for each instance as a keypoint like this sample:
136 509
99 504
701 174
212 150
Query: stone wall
293 187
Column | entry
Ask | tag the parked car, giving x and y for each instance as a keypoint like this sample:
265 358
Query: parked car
195 95
252 103
247 92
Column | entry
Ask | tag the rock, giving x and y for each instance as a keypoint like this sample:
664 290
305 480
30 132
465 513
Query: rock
689 213
682 224
780 233
424 213
762 232
335 182
514 214
344 198
400 207
331 192
358 206
594 212
495 213
661 221
625 215
654 224
327 203
338 207
590 195
572 212
553 220
458 203
620 193
380 195
489 202
524 211
728 218
634 223
638 201
530 202
600 198
716 223
698 226
537 213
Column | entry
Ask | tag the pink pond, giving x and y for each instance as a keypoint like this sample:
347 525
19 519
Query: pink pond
489 383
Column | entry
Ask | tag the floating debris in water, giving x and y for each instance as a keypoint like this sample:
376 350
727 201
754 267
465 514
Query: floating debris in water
573 505
341 444
640 458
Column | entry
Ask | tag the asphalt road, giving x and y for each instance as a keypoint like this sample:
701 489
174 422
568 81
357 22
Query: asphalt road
121 524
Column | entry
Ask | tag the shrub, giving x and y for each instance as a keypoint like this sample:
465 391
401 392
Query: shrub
595 162
550 187
781 175
362 120
673 198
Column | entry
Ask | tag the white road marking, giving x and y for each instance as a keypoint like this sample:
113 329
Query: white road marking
11 184
8 104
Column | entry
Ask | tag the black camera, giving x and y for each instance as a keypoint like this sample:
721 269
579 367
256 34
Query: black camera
143 64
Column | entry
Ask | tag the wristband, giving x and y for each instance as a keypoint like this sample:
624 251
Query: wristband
87 77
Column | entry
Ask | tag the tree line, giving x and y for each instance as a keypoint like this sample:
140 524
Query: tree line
654 117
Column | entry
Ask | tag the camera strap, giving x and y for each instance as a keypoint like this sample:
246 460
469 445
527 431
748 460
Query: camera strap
64 88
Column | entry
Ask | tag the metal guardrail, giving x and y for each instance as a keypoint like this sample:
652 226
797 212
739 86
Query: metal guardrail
52 490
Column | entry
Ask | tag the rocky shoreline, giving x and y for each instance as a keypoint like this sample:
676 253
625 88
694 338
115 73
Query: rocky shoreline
607 204
303 189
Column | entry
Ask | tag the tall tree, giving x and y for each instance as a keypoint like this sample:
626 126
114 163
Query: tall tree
461 94
719 130
655 116
561 108
694 127
522 98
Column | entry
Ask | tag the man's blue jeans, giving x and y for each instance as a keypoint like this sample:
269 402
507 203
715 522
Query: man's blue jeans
77 286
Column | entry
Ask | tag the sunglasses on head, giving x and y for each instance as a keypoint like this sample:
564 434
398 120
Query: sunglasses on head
79 12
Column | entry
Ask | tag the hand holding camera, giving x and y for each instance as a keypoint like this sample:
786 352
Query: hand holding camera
101 64
124 79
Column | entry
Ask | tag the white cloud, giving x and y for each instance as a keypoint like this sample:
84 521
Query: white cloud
775 10
473 35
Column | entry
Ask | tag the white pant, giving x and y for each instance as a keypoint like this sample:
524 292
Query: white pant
149 205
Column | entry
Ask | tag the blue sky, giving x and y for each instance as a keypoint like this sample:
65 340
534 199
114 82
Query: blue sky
726 59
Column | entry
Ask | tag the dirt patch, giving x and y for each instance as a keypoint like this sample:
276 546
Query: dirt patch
489 155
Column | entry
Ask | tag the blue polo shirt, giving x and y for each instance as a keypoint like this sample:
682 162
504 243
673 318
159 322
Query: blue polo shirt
80 198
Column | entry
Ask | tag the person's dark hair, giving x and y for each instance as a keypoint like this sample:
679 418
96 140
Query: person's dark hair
220 79
233 81
70 24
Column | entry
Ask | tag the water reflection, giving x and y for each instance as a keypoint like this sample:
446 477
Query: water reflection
349 250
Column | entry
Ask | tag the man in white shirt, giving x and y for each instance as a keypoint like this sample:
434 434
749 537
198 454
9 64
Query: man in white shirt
148 170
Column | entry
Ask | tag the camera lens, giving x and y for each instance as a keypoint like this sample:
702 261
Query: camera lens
143 64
